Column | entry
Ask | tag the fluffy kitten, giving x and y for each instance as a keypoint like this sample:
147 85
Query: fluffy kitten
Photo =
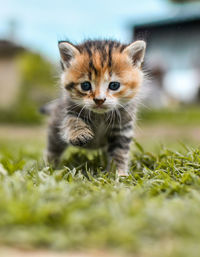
100 83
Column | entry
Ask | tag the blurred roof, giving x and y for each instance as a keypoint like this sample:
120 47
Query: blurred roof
176 14
9 48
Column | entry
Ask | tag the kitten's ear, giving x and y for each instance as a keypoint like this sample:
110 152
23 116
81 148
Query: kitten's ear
67 52
136 52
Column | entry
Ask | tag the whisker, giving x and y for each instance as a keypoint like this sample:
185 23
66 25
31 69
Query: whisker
132 117
119 117
108 119
79 115
73 107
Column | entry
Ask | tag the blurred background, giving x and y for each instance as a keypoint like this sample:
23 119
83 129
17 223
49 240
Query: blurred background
29 60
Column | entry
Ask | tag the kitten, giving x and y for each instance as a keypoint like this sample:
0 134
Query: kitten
100 83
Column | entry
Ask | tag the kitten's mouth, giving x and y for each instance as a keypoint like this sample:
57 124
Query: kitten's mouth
99 109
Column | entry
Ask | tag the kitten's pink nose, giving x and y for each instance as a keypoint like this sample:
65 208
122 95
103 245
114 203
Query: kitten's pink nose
99 101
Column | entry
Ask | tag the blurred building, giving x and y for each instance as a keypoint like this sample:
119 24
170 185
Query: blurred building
173 54
9 72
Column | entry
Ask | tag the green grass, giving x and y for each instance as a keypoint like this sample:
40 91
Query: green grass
153 212
182 115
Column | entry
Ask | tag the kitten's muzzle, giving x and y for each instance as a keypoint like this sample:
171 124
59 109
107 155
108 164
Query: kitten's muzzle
99 101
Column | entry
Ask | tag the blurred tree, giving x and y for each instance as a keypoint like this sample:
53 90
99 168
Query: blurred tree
37 78
37 87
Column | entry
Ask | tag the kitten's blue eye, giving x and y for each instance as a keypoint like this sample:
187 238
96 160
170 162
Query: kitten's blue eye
86 86
114 85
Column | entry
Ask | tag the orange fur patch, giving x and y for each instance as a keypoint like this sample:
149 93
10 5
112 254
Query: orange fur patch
93 65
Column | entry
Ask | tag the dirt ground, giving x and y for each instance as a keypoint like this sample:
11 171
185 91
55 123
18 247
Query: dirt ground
14 252
154 133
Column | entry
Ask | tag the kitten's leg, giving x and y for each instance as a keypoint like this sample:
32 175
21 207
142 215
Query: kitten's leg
118 148
75 131
55 145
72 130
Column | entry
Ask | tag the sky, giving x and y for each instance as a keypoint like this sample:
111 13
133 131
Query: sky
41 23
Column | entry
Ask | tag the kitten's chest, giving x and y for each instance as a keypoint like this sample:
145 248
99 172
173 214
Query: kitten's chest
101 130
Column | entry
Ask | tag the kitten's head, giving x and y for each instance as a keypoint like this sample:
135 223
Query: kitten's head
102 75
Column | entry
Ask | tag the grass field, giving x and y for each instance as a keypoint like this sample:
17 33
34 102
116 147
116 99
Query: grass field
78 208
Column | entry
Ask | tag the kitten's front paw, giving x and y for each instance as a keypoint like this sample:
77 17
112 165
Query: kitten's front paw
80 138
121 173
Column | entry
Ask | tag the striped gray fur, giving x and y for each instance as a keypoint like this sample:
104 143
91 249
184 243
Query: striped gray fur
112 131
